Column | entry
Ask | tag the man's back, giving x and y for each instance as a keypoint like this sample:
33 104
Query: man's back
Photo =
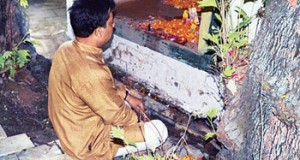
81 130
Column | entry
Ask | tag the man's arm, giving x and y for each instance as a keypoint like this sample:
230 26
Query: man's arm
100 94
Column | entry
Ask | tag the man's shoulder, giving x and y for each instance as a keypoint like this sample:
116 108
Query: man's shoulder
66 44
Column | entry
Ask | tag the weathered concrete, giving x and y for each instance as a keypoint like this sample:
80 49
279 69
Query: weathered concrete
190 88
9 157
14 144
20 147
43 152
47 24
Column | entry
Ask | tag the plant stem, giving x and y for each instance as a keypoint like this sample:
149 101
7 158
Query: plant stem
223 28
212 125
21 41
182 137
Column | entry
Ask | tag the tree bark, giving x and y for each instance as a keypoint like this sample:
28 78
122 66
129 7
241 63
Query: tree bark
13 24
266 122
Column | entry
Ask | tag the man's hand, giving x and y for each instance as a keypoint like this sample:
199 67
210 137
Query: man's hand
135 93
136 103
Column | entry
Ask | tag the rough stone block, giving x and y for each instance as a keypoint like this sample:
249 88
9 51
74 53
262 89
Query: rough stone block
14 144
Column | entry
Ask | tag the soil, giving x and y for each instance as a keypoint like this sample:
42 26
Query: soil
23 102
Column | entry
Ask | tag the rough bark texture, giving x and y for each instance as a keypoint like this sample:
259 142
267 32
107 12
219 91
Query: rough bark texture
13 24
265 123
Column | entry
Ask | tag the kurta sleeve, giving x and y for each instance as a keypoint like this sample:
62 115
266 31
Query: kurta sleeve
121 88
103 97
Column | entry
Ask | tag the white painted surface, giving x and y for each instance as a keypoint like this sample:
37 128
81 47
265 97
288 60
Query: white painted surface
251 9
194 89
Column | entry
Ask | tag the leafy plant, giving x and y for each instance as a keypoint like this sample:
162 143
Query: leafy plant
210 115
227 41
16 58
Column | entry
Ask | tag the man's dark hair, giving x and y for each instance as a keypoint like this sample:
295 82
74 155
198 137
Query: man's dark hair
87 15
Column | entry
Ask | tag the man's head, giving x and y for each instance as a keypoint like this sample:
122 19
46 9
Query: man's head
87 16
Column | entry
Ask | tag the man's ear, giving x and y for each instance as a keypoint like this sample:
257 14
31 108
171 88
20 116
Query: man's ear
98 31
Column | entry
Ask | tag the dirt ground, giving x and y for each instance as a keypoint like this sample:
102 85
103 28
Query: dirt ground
23 102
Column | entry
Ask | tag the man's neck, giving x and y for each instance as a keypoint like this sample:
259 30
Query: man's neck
87 41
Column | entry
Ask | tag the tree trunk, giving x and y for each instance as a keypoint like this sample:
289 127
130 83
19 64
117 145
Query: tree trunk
265 123
13 24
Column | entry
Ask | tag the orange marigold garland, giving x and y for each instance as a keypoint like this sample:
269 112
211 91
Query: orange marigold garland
175 30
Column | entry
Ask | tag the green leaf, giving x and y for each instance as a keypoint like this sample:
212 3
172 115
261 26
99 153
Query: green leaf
245 23
145 157
212 112
132 144
209 135
212 37
226 47
218 17
2 62
12 71
131 158
9 62
208 3
24 3
242 13
117 132
211 48
197 114
23 57
228 72
264 2
7 54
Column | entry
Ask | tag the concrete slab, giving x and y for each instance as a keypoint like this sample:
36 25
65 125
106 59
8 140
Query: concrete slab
40 152
2 133
14 144
41 14
9 157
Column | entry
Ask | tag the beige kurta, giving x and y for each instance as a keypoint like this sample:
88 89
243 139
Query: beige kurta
83 103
